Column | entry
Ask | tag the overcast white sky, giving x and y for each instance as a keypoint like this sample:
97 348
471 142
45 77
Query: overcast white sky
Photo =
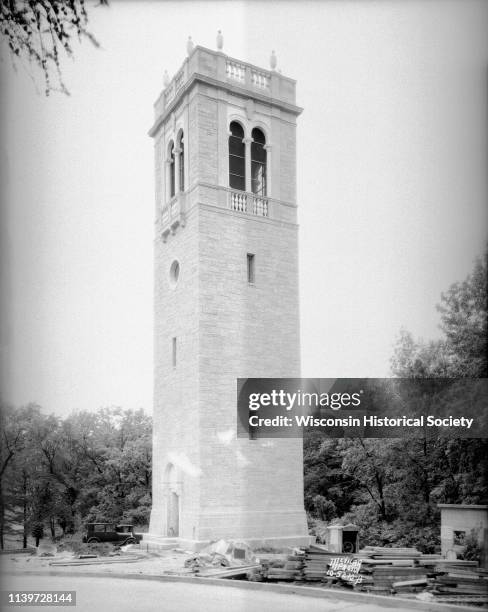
391 185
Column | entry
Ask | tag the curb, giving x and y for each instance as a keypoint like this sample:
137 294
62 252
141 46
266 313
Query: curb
384 601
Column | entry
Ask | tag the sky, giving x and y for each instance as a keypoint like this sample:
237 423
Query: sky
391 171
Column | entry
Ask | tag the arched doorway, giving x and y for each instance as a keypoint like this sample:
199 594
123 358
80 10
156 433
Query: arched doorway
172 491
173 514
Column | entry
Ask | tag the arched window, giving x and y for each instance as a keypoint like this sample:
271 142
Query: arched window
258 163
181 163
237 157
171 170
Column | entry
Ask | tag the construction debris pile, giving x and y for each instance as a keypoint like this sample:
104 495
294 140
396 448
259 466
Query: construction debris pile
222 559
388 571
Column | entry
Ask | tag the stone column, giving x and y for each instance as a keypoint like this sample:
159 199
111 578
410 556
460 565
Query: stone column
269 170
168 182
247 143
177 152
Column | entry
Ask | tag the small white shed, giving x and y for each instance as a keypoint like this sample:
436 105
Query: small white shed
458 521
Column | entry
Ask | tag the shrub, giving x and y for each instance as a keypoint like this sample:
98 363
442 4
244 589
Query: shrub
472 550
324 509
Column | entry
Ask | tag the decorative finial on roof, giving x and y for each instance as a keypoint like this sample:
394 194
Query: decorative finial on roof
189 45
220 40
166 78
273 61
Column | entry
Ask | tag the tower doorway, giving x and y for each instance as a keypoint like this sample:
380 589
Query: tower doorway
173 515
172 494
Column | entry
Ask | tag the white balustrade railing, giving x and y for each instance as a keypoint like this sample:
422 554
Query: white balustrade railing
179 80
174 207
236 71
169 93
259 206
240 201
171 211
260 79
239 72
165 215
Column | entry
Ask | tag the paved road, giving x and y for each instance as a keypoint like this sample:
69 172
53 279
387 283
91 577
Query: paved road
106 594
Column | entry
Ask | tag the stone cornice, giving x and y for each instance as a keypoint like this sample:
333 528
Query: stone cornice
225 86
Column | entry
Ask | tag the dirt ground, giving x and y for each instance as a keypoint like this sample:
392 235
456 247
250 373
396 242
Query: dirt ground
137 561
150 564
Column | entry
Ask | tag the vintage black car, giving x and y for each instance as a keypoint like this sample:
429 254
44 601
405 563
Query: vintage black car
110 532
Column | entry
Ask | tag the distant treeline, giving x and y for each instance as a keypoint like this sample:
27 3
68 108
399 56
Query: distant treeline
391 488
58 472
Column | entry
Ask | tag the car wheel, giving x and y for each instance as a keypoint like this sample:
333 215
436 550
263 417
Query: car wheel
130 541
93 541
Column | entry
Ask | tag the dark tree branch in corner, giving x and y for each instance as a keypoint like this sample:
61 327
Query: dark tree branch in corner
40 30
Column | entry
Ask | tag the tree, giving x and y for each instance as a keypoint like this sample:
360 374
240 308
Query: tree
38 532
123 491
369 462
39 31
88 466
323 473
449 470
419 359
390 488
464 315
14 427
463 350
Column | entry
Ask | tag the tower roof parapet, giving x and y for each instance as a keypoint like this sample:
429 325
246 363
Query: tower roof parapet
218 69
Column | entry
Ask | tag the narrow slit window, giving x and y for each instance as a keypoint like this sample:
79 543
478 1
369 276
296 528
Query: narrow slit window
174 352
250 269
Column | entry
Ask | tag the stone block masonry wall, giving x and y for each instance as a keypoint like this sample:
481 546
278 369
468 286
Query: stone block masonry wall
247 331
225 327
176 407
287 162
192 140
207 120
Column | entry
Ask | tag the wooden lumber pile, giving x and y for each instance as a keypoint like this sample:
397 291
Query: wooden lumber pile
98 561
446 565
461 583
404 571
291 570
401 579
382 553
387 570
317 562
308 565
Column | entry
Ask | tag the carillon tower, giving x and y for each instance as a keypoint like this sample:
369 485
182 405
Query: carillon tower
226 300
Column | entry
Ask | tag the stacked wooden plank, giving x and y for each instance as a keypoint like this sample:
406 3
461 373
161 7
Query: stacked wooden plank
405 579
291 570
460 581
316 563
448 565
309 565
386 570
404 571
381 552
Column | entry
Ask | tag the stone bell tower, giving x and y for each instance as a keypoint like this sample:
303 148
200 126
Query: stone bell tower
226 300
